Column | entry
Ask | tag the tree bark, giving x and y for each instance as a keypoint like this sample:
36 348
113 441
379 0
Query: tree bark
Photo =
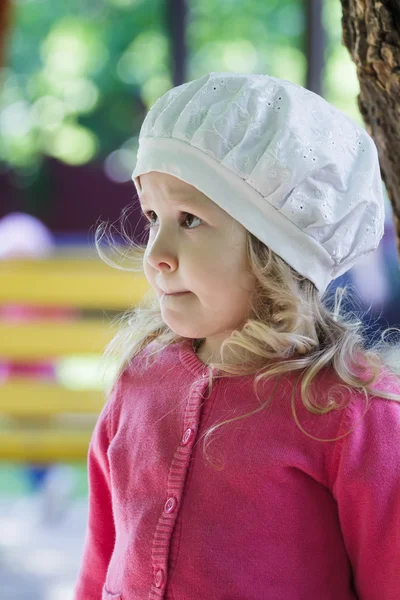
371 33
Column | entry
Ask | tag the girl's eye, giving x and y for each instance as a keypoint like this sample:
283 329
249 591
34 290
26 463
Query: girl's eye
151 223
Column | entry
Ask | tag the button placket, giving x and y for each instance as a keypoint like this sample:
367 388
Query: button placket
170 508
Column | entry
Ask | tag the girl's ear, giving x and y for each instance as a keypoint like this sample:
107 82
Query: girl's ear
138 185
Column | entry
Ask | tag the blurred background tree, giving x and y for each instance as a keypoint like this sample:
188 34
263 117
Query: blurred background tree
79 77
4 26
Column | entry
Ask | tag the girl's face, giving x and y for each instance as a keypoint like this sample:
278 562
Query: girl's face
196 247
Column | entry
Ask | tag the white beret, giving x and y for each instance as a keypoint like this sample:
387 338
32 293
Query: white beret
294 170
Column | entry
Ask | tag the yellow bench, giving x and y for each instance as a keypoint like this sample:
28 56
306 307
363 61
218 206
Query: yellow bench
46 421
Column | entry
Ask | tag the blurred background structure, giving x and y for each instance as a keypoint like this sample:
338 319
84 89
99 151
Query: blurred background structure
76 80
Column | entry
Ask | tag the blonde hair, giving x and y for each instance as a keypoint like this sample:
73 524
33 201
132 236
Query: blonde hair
290 328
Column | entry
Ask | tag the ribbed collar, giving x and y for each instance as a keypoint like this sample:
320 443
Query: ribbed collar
191 361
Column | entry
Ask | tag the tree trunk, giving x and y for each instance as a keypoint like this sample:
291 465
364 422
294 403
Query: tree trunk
371 33
4 22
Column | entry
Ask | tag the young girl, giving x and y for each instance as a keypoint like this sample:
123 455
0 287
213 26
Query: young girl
249 448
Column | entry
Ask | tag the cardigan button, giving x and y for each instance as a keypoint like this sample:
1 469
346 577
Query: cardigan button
170 505
187 435
159 580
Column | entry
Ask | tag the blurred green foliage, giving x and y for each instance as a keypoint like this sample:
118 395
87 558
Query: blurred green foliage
80 76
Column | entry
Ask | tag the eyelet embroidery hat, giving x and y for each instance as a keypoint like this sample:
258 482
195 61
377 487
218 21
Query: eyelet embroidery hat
294 170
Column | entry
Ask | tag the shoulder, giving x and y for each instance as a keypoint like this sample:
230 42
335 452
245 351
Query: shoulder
357 416
379 409
369 431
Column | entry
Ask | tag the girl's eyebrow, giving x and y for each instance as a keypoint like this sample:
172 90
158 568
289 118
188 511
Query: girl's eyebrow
177 197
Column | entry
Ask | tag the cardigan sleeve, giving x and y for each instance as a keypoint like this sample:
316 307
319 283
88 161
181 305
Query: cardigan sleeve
100 532
365 476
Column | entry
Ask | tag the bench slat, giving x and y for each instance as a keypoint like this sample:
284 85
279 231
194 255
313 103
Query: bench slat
46 339
44 446
36 398
74 283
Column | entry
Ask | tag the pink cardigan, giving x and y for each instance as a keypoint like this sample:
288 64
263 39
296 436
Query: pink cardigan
287 518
